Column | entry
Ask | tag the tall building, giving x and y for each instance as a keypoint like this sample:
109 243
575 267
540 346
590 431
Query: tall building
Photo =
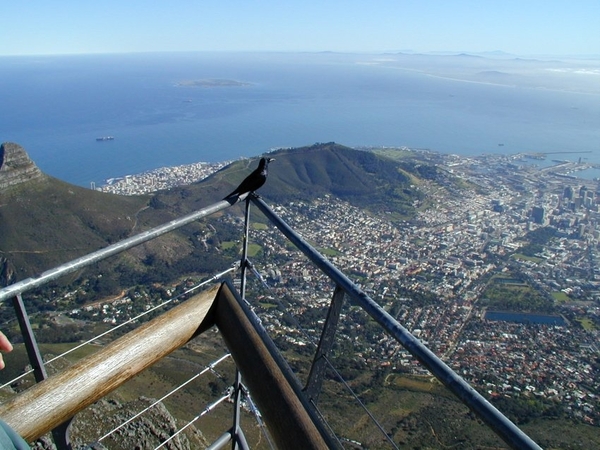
538 213
568 193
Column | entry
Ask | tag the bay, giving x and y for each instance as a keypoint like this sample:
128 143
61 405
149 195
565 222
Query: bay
56 107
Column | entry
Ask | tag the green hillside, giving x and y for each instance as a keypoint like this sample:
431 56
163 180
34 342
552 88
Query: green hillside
362 178
46 222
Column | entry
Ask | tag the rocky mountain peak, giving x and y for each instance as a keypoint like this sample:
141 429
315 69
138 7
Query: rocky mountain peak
15 166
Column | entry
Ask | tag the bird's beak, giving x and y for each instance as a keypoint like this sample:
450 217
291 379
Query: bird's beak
271 159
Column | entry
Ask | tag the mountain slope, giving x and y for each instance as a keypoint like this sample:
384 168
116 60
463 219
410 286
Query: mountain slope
48 221
357 176
362 178
45 222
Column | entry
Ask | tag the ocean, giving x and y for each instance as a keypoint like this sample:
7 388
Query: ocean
165 109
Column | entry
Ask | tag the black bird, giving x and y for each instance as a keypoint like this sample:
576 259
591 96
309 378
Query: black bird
255 180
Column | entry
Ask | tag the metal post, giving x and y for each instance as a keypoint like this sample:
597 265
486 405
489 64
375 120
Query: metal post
317 370
244 261
33 351
239 440
221 441
60 434
291 419
237 409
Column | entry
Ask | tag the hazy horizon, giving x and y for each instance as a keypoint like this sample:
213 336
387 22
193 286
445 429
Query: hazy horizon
551 27
491 54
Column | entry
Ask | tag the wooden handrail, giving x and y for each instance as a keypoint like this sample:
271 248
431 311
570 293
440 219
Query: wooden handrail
291 421
288 416
48 404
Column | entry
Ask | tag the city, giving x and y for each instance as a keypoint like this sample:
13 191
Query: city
160 179
435 273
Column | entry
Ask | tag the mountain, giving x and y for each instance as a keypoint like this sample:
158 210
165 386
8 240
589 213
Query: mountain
16 167
362 178
45 222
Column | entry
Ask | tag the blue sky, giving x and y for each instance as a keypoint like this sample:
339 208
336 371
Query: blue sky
524 27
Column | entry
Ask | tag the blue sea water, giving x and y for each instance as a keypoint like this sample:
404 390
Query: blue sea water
56 107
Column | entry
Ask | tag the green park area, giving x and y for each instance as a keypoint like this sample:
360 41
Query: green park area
507 293
560 297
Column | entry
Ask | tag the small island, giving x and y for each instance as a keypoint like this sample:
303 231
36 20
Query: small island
212 82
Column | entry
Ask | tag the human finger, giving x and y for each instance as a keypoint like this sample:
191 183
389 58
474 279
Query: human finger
5 345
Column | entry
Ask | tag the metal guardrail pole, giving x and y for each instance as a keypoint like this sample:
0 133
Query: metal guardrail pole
244 260
33 351
125 244
507 430
221 441
290 418
237 407
238 437
60 434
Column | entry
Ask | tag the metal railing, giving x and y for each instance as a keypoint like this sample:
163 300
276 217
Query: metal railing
497 421
114 249
15 291
299 398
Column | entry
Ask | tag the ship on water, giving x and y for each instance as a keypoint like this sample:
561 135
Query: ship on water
105 138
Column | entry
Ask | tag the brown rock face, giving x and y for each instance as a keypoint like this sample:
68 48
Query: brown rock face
15 166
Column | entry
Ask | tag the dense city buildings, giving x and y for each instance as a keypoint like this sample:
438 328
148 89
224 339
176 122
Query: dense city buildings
160 179
507 235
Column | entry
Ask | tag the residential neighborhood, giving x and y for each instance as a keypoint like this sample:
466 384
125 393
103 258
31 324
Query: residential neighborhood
435 273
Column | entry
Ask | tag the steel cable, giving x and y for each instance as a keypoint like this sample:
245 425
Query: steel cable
206 410
310 340
202 372
133 319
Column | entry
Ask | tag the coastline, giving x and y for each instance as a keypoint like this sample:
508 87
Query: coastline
160 179
412 101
